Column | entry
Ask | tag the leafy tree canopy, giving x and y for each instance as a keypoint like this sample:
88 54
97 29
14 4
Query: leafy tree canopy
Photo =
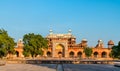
6 44
34 43
115 52
88 51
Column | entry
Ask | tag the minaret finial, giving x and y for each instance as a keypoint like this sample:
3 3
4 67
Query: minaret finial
69 31
51 31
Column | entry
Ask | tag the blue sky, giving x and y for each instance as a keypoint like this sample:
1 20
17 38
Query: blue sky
90 19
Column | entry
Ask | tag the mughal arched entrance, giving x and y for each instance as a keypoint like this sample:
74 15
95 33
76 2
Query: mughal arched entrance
79 54
104 55
95 54
60 50
71 54
49 54
17 54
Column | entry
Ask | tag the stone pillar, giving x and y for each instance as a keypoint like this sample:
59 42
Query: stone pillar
99 55
75 53
83 55
66 50
53 50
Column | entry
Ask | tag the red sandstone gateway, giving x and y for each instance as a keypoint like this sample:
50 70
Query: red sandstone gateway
65 46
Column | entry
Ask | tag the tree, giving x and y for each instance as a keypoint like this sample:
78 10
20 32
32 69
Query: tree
34 44
115 52
6 44
88 51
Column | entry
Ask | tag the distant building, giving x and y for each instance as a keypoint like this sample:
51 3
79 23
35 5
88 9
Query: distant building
64 45
19 48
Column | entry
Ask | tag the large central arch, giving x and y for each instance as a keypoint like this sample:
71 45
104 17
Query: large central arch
60 50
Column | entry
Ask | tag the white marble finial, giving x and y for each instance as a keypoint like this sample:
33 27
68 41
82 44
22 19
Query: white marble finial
69 31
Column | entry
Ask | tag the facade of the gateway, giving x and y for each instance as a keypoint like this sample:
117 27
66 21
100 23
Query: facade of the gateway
64 46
